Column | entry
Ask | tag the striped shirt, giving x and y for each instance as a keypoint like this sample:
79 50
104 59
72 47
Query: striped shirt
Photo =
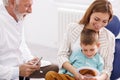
71 37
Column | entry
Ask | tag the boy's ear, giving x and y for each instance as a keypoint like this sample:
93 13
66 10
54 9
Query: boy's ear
98 44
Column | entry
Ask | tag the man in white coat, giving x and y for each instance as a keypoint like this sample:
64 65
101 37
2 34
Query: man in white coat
15 58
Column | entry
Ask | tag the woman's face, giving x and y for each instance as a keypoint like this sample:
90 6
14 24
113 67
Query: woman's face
98 20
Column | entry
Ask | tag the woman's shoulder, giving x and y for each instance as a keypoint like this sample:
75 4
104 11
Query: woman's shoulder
74 30
73 27
107 32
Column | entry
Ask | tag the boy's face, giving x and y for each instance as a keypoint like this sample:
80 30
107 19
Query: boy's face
90 50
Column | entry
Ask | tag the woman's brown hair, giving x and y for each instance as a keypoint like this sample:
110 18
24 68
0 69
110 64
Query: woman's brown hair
97 6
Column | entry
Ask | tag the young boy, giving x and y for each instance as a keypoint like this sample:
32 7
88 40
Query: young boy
87 56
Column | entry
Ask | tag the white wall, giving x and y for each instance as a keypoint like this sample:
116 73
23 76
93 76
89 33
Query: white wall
0 1
41 26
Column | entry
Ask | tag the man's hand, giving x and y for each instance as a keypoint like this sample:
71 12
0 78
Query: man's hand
35 61
28 68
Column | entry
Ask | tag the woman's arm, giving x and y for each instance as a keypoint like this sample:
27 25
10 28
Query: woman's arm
103 76
65 50
107 49
70 37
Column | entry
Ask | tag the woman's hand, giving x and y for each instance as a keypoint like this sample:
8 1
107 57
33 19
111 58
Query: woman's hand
101 77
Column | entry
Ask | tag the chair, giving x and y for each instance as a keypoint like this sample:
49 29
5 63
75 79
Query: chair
114 27
116 64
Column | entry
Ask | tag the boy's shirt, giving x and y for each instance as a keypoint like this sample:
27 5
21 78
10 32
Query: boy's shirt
78 60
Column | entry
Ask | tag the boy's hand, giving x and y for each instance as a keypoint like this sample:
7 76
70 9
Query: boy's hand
78 76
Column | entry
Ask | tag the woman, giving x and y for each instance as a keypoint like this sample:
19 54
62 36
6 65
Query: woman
96 18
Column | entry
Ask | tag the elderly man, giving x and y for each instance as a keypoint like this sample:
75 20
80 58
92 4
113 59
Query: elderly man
16 61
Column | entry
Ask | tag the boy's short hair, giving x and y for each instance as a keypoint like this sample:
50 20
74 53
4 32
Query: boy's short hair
88 36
